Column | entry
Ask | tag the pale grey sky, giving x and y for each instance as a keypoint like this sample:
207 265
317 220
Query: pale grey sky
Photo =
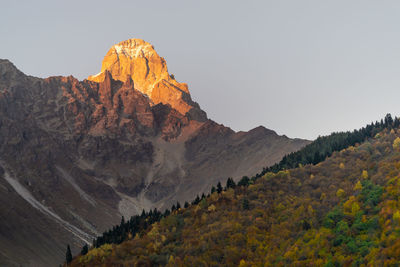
302 68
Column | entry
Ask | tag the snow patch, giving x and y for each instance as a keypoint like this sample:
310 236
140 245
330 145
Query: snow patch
134 51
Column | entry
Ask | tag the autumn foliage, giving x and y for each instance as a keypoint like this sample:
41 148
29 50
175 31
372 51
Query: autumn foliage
344 211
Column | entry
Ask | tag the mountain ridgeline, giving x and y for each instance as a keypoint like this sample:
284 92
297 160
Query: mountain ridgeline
335 188
76 156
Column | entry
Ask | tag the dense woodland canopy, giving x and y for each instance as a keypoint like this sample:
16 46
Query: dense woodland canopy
334 203
324 146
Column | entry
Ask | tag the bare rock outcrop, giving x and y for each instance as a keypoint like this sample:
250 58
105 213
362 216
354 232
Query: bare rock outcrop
137 60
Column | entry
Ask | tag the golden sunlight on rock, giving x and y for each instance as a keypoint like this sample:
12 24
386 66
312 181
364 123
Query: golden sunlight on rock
137 59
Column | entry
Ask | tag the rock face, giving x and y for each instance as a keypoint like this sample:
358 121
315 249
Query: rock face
77 155
137 60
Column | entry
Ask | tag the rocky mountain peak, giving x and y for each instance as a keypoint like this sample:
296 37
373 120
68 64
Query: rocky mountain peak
77 155
137 60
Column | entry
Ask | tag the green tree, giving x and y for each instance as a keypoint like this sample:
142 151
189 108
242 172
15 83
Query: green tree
196 201
68 255
84 250
213 190
245 204
244 181
219 187
230 183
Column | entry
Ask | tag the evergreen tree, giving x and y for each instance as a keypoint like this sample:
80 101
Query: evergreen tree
196 201
245 204
213 190
306 225
178 205
68 255
186 205
219 187
230 183
84 250
166 212
388 120
244 181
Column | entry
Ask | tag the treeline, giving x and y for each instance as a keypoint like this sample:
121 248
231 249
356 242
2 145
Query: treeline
323 147
315 152
119 233
134 225
137 224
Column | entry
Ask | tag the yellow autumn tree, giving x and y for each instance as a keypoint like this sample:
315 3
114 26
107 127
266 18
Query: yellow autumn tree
358 186
355 208
396 216
211 208
396 143
340 193
364 174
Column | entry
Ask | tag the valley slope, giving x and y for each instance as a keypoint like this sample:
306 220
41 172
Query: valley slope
343 211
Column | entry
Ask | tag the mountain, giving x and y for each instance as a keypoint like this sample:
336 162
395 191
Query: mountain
137 60
341 211
75 156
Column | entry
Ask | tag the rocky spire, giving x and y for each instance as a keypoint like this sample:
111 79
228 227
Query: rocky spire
137 60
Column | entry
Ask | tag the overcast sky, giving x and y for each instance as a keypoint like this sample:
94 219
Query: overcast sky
302 68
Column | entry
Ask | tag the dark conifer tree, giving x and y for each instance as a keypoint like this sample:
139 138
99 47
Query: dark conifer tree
245 204
388 120
213 190
186 205
68 255
219 187
244 181
196 201
306 225
230 183
166 212
84 250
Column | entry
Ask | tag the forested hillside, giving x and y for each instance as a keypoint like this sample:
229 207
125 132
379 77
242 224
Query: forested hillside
343 211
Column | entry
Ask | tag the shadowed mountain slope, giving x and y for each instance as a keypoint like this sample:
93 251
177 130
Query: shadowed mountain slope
77 155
